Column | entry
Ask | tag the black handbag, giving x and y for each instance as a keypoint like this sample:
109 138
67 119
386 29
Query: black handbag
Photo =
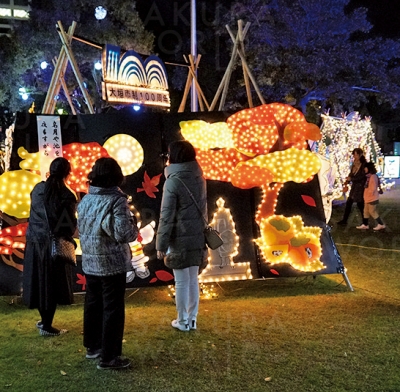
61 249
212 236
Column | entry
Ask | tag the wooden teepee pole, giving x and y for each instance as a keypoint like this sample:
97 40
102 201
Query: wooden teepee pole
242 34
59 70
247 69
65 88
192 68
74 65
226 78
238 50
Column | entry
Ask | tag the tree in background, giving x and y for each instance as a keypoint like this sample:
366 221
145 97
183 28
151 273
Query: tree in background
315 53
37 40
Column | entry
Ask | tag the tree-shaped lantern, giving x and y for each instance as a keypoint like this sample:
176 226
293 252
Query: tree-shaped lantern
263 147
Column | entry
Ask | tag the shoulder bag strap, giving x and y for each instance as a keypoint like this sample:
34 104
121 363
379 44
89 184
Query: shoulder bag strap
47 219
194 200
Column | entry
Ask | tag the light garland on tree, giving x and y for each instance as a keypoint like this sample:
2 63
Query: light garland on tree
340 136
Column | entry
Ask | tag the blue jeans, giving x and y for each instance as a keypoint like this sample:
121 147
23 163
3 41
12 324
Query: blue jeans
104 314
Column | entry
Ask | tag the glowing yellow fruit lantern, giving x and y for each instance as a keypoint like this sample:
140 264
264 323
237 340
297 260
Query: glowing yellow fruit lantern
15 189
127 151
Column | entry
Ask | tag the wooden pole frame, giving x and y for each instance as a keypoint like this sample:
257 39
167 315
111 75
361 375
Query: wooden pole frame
58 81
238 50
190 81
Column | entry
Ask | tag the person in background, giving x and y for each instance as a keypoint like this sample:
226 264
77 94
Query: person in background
180 239
357 179
105 227
48 282
371 198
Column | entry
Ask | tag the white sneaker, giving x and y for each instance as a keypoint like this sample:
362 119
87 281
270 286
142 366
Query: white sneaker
379 227
192 324
363 227
182 327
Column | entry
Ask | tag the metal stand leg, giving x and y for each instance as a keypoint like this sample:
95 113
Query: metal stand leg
347 281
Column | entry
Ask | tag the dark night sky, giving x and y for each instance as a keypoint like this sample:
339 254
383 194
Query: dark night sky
170 20
383 14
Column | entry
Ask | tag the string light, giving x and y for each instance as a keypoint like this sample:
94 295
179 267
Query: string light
221 266
340 136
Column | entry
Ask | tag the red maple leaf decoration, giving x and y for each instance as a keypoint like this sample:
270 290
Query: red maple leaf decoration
81 280
150 185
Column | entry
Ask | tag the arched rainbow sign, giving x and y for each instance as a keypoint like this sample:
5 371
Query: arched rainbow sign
127 79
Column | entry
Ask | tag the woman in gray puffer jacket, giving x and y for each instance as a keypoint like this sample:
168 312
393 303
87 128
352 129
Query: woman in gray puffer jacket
180 236
105 227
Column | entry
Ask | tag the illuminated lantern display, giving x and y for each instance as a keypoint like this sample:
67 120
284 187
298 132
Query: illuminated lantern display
12 239
82 157
127 151
30 161
287 240
15 189
271 149
218 135
257 162
215 149
220 262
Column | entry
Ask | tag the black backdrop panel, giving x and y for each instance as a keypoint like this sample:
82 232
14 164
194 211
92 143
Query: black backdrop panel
154 131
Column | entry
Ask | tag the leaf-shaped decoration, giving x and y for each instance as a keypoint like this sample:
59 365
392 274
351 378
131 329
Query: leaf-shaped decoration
81 280
274 271
280 224
154 280
164 276
309 200
299 241
150 185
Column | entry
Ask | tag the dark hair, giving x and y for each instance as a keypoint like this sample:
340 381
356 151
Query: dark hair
371 167
359 151
181 151
59 170
106 173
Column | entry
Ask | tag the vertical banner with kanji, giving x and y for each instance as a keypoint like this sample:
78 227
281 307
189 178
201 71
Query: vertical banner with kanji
50 143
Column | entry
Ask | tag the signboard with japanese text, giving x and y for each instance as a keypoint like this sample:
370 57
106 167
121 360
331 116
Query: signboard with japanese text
113 92
49 141
127 79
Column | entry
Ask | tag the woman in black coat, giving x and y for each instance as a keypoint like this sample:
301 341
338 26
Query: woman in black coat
357 180
47 283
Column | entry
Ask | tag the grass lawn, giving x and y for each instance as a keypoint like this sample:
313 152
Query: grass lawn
268 335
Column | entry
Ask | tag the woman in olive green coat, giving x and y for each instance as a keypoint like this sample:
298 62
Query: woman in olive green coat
180 237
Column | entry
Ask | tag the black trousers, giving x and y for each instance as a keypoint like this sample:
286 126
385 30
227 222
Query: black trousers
349 204
104 314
